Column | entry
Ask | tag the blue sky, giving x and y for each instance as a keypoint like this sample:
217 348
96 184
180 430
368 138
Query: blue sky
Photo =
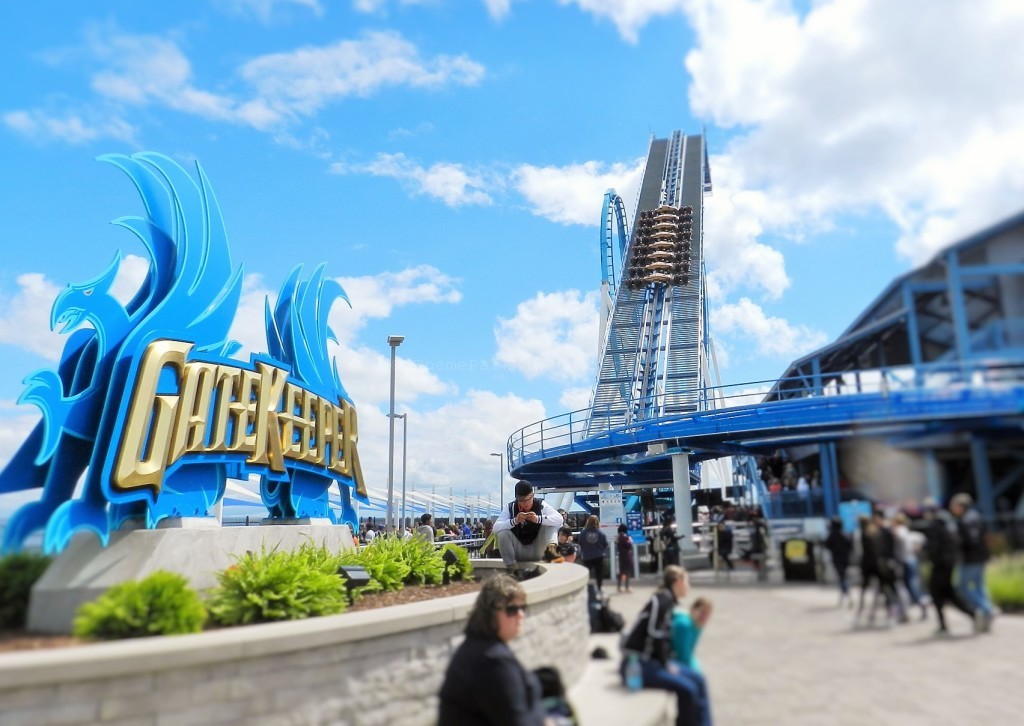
448 159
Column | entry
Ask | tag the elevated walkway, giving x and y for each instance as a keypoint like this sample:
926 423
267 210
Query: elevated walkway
906 402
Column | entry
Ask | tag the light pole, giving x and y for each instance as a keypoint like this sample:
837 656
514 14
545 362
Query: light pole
501 479
394 341
405 420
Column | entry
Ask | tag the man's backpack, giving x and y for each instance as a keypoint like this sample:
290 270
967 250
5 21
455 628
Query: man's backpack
556 705
602 618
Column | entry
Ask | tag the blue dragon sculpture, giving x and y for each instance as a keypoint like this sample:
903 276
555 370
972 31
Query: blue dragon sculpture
190 289
297 335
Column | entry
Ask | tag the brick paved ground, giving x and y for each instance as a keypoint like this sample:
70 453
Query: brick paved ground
785 654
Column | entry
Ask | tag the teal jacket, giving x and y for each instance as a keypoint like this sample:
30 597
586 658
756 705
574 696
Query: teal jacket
685 635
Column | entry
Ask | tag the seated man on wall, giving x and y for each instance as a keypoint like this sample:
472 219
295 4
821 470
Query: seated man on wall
526 526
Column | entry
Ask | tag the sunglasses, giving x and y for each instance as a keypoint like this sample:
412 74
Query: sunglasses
513 610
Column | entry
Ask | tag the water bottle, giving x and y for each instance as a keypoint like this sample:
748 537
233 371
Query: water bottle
634 676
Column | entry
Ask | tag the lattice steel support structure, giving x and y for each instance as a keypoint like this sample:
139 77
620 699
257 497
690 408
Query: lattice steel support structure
654 345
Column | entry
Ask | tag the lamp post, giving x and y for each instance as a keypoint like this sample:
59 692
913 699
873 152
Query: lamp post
394 341
405 420
501 479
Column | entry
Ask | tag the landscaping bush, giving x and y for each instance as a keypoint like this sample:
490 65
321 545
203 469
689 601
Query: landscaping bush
274 585
383 560
462 569
424 560
160 604
1004 577
18 573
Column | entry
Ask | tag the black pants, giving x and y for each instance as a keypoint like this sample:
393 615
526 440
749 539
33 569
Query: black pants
596 568
940 585
723 556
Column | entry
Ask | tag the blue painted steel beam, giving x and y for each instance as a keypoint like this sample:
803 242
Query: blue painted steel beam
982 478
820 416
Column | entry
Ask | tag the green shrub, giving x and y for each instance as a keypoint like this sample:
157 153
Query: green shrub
18 573
383 560
160 604
424 560
1004 578
462 569
275 585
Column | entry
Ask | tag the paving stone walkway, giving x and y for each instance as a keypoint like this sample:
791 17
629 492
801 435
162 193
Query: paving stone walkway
786 654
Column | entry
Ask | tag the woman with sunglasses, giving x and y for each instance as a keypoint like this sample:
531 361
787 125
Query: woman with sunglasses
484 683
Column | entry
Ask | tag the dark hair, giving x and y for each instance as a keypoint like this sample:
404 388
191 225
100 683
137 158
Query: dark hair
566 548
497 592
425 519
523 488
567 531
623 529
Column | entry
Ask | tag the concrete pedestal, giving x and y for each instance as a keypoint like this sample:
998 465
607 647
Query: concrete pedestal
85 570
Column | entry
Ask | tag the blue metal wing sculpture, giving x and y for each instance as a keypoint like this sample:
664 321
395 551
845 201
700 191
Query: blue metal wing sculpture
297 335
191 290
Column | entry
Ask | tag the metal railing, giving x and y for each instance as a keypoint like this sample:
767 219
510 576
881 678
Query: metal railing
568 432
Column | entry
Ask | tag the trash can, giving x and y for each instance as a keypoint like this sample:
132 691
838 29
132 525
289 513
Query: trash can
798 561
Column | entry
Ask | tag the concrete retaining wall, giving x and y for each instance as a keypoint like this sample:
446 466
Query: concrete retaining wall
374 667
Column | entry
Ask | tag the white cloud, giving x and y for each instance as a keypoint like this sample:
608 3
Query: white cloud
25 322
266 10
770 336
364 371
445 181
378 6
745 396
574 399
911 108
571 194
142 70
498 9
71 128
552 334
447 447
629 16
302 81
26 317
734 219
374 296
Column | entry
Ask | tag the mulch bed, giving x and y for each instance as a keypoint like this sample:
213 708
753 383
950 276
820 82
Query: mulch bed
14 640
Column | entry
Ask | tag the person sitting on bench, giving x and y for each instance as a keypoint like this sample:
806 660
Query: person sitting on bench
525 527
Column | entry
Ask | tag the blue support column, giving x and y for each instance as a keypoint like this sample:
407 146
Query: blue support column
913 333
955 293
933 475
829 478
982 478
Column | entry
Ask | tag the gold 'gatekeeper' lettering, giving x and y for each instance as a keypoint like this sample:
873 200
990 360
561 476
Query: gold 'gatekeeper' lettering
218 409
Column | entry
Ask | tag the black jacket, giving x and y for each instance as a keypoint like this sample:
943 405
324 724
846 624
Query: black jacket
972 538
485 685
942 540
526 532
651 634
840 547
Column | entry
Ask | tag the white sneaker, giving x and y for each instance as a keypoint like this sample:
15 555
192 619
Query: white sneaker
979 621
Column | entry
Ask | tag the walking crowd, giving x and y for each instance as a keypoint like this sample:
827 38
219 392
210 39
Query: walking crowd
890 553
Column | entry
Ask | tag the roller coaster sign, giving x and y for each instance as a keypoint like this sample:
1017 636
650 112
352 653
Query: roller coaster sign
149 408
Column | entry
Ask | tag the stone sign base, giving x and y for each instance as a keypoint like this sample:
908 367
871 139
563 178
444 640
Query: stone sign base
85 570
